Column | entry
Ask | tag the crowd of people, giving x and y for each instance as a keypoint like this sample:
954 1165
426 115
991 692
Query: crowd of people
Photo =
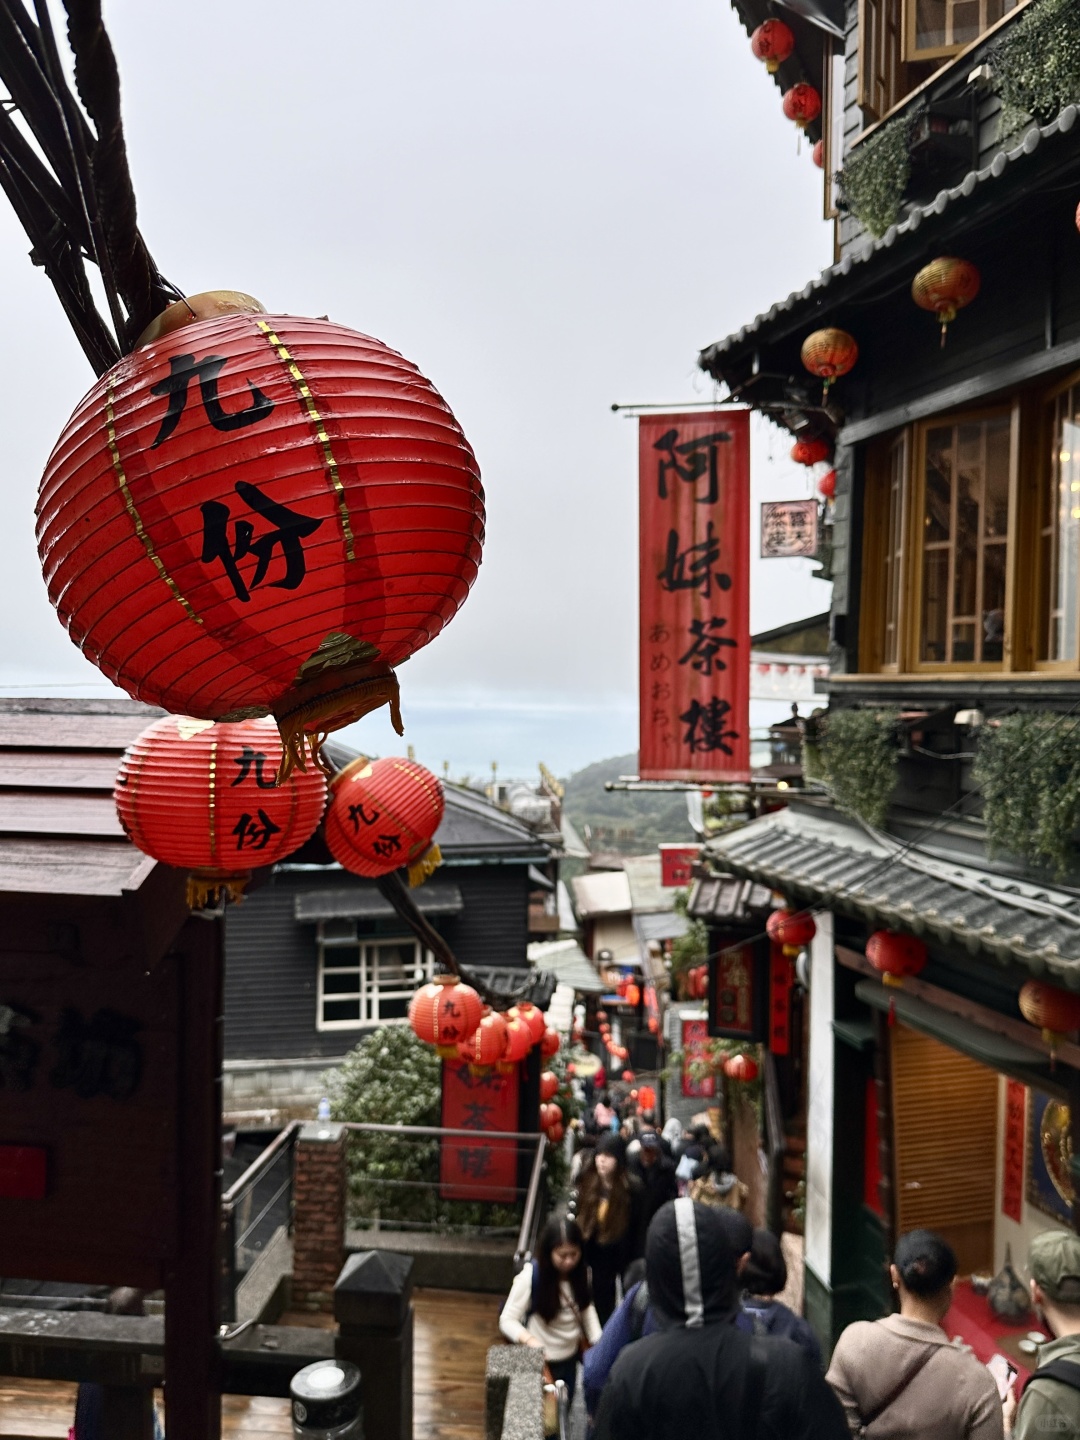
670 1299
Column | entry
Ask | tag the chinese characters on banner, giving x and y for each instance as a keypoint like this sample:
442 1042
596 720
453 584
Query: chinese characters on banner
695 1048
1012 1180
676 864
789 527
478 1169
733 978
780 976
694 479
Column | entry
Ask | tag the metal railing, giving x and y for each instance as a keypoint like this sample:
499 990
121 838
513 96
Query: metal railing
254 1209
536 1207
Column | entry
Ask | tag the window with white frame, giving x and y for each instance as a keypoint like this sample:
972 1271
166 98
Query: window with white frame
366 981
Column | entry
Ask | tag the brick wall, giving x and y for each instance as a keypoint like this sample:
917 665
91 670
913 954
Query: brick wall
318 1216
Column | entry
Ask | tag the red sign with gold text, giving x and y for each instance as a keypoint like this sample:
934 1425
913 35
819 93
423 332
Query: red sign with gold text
1012 1179
475 1167
694 479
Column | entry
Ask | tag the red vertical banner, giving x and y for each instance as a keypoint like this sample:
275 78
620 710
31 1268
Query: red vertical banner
473 1167
780 976
1012 1178
694 481
695 1046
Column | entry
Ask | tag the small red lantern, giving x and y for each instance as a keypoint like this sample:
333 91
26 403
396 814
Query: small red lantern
549 1044
1055 1011
741 1068
486 1046
549 1085
205 798
827 485
384 814
802 103
945 286
818 154
549 1115
810 452
628 1077
260 515
601 1015
791 929
828 354
654 1025
772 42
444 1013
697 978
633 995
533 1017
894 955
647 1097
519 1042
556 1133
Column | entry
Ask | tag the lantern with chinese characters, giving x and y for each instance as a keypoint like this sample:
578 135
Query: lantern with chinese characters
1053 1010
384 814
792 930
827 485
828 354
810 452
444 1013
802 103
772 42
486 1046
894 955
206 798
945 286
741 1068
532 1016
260 515
549 1085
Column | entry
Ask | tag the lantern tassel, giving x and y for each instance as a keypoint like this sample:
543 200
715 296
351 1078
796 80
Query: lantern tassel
420 870
204 890
334 708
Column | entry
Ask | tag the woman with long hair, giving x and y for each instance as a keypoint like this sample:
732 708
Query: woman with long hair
550 1306
606 1206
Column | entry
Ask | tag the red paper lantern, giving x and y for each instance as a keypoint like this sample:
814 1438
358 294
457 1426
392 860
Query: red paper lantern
601 1015
556 1132
549 1085
647 1097
791 929
802 103
633 995
628 1077
810 452
818 154
772 42
1053 1010
205 798
533 1017
549 1115
258 515
945 286
829 353
698 982
654 1025
549 1044
894 955
384 814
519 1042
741 1068
444 1013
827 485
486 1046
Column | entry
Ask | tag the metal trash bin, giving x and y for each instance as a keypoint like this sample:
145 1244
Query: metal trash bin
327 1401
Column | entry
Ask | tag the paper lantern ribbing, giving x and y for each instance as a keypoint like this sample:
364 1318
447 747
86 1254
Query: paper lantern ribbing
533 1017
444 1013
802 103
384 814
486 1046
829 353
827 485
549 1085
810 452
519 1042
895 955
741 1068
258 515
1051 1009
772 42
206 799
549 1043
945 286
792 930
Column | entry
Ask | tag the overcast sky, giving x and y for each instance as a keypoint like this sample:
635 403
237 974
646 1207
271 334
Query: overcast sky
548 207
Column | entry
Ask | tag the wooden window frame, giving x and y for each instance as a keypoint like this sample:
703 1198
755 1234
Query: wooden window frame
368 993
911 55
1041 457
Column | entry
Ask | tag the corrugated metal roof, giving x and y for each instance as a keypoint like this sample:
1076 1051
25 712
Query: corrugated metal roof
566 960
646 891
942 202
818 860
604 892
363 900
662 926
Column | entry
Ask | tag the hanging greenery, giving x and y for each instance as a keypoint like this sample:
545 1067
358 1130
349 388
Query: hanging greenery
858 757
876 173
1036 65
1028 769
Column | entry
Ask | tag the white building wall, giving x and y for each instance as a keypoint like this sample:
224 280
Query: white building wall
819 1109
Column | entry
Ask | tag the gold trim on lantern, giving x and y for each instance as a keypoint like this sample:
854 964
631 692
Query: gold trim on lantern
202 889
422 869
212 770
130 506
308 402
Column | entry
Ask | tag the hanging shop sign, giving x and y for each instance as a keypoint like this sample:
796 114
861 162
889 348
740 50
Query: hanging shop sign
694 475
739 990
781 976
475 1167
695 1049
676 864
1012 1177
789 528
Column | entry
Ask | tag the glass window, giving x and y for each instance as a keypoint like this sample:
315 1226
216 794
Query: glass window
939 26
1060 532
366 982
965 515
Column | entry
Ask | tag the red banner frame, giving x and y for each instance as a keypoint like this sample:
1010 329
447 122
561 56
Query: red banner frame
694 515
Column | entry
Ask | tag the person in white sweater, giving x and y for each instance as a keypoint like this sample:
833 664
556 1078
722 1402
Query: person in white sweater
550 1302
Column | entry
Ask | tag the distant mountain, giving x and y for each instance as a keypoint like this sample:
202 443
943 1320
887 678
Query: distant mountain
631 822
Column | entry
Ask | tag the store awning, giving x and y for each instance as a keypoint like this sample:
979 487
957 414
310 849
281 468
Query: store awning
822 860
568 963
362 903
997 1051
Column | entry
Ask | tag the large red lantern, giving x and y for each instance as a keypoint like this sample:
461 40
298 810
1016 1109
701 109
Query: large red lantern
647 1097
384 814
741 1068
945 286
445 1012
810 452
549 1085
206 799
1053 1010
829 353
792 930
549 1043
802 103
895 956
772 42
533 1017
519 1041
486 1046
260 515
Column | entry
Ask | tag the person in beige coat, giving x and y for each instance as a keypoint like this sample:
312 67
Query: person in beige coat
901 1378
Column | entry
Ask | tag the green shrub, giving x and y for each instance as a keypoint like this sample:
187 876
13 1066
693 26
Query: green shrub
1036 64
876 174
1028 768
858 757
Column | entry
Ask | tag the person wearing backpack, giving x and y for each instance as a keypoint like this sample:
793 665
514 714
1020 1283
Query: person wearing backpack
764 1277
901 1378
1051 1400
550 1305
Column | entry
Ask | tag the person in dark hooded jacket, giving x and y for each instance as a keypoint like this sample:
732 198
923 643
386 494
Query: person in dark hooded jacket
699 1374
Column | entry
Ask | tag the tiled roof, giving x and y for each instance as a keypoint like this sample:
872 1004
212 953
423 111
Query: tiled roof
727 900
